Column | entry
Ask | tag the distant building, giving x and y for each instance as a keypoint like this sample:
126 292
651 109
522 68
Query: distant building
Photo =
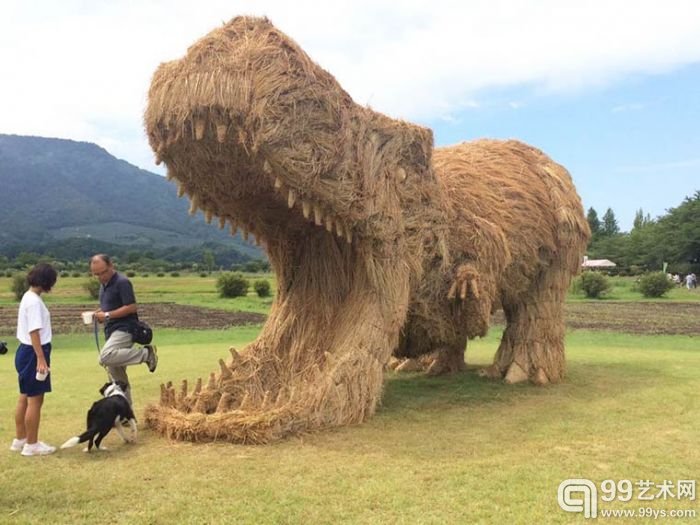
593 264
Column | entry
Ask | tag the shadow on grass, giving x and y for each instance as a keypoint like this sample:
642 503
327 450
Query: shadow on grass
416 391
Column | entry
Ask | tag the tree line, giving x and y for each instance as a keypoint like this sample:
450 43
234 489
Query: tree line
207 258
672 239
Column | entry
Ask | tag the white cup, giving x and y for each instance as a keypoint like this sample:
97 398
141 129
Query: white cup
41 376
87 317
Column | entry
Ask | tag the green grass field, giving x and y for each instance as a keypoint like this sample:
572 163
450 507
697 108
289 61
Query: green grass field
187 289
449 450
201 291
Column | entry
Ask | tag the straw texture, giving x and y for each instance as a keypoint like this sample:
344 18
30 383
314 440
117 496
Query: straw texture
380 246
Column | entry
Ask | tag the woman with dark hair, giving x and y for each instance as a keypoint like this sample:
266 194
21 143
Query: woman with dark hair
32 361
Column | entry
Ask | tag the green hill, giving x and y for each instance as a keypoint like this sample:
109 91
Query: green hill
53 191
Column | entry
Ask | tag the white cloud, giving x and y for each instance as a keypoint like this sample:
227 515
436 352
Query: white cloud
81 69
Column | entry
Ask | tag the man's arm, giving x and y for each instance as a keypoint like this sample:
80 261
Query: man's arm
122 311
128 299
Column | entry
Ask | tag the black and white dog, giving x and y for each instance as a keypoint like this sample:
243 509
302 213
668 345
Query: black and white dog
107 413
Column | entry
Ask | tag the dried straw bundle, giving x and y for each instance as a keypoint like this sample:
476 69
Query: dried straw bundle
517 235
357 224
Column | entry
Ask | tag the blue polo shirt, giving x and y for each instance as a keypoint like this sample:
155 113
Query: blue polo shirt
116 293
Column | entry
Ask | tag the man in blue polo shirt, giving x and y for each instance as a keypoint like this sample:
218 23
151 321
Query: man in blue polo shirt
118 312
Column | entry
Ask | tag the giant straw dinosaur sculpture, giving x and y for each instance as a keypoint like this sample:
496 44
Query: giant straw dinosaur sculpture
380 243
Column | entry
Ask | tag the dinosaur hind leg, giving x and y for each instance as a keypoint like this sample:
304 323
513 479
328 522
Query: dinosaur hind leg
532 346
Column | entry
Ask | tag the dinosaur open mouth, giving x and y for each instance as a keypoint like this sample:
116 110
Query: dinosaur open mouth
230 180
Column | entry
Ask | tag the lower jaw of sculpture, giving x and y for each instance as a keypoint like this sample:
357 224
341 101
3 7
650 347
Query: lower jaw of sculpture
314 365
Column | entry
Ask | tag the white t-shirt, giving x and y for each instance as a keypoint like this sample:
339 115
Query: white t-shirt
33 315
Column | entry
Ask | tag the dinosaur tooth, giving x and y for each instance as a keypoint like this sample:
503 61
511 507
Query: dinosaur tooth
199 125
221 132
172 137
225 371
278 182
291 198
180 190
245 402
197 387
211 385
246 233
318 215
306 208
208 216
163 395
171 397
235 356
224 403
183 388
199 405
329 223
222 222
339 229
463 290
268 169
348 235
233 228
194 206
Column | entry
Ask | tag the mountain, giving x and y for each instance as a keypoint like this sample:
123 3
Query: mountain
55 191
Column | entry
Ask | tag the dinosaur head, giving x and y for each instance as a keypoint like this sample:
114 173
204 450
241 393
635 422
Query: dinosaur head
262 138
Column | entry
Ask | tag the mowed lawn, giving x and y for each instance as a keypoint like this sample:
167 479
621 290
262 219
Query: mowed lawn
451 450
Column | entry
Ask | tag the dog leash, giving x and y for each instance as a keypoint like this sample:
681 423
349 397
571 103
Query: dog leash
97 344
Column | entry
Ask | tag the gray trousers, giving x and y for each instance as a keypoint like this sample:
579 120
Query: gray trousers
118 353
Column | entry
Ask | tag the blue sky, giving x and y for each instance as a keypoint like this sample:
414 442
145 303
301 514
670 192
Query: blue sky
629 145
608 88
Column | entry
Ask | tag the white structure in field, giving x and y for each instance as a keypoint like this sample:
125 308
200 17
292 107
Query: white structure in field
596 263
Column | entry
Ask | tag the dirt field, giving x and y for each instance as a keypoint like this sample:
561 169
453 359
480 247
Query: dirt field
65 319
668 318
628 317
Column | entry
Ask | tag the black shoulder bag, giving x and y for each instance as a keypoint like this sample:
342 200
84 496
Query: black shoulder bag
143 334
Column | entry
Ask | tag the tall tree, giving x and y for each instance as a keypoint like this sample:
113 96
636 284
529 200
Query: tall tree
641 220
609 226
679 232
208 259
593 221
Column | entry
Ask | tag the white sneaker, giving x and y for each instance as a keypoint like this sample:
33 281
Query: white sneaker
17 444
37 449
